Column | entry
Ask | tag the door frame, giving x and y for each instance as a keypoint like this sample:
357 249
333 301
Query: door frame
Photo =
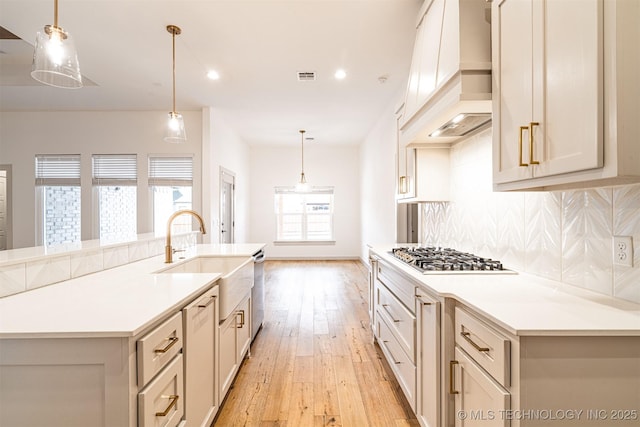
8 174
229 177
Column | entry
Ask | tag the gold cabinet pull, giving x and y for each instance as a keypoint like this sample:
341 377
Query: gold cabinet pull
522 129
393 359
172 341
467 335
452 371
173 400
390 314
531 161
241 314
211 300
403 184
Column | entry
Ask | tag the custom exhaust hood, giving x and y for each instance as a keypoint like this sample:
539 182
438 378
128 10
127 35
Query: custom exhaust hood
449 89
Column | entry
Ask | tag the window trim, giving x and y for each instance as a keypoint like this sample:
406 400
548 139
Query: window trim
315 190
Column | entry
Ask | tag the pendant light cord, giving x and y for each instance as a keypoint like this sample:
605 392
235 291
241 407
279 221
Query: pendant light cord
55 14
302 143
173 32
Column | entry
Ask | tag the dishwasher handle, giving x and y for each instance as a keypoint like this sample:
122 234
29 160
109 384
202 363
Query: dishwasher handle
258 257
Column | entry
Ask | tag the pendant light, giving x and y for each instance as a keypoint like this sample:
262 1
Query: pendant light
175 127
302 186
55 60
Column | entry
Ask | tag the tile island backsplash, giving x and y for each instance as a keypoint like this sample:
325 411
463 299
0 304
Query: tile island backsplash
565 236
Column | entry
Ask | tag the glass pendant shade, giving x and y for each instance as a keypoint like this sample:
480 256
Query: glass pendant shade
175 126
55 60
175 129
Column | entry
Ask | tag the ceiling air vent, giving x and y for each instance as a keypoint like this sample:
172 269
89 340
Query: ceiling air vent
306 76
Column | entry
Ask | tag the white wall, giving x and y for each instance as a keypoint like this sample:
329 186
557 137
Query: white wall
25 134
377 183
223 147
324 165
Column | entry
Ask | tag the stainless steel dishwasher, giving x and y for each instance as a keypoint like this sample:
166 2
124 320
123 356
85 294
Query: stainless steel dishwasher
257 293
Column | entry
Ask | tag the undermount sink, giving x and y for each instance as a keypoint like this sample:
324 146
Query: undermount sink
234 284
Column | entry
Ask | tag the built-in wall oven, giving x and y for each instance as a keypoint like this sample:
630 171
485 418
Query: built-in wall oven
257 293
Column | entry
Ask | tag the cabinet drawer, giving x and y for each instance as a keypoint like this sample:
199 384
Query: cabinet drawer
485 345
161 403
401 321
398 285
158 347
402 366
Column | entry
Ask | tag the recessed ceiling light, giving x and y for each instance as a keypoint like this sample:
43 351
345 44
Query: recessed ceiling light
213 75
340 74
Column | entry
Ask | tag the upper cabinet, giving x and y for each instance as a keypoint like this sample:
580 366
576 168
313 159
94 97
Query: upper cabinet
565 99
449 89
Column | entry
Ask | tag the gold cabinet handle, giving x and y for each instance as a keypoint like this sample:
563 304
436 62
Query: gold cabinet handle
390 314
241 314
467 335
173 400
403 184
531 161
393 359
522 129
452 371
172 341
211 300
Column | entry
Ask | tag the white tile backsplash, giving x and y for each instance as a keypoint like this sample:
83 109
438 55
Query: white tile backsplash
561 235
13 279
48 271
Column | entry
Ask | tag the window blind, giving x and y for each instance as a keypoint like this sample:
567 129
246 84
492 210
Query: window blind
115 169
57 169
170 171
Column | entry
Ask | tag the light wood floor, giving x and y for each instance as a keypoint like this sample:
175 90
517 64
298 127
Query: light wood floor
314 362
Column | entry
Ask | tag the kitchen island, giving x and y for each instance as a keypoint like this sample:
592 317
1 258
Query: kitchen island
111 348
505 349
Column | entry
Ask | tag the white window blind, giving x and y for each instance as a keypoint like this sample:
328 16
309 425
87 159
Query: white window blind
304 216
57 169
115 169
170 171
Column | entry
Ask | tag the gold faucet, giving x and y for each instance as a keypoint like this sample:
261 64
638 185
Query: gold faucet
168 250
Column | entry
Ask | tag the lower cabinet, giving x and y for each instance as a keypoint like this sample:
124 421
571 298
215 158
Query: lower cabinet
235 339
201 385
428 366
395 326
479 399
161 402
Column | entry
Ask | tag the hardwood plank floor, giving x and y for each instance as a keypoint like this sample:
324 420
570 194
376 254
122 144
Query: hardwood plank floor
314 362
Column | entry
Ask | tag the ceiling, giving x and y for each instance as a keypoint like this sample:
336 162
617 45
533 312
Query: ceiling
257 47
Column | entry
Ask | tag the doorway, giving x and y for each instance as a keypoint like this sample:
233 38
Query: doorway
227 206
5 207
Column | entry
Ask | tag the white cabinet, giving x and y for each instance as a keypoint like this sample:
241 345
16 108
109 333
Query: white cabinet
482 400
426 177
395 326
201 386
161 402
428 380
563 113
235 339
482 359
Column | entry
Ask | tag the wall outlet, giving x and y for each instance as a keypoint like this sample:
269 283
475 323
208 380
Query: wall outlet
623 250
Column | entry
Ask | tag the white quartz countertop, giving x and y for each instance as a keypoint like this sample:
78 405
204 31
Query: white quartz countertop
524 304
120 302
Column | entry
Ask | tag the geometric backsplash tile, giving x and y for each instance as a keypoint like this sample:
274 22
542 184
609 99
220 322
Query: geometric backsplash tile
560 235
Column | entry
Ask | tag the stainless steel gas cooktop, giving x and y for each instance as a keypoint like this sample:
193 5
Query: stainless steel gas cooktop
432 260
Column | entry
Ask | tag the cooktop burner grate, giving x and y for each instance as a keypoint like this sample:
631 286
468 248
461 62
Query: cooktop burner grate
445 260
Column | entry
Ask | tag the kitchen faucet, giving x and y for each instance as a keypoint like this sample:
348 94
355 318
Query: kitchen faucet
168 250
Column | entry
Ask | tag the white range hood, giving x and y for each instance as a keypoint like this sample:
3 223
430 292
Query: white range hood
449 89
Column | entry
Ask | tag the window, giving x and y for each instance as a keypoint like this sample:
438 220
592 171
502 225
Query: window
114 183
304 217
57 198
171 183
